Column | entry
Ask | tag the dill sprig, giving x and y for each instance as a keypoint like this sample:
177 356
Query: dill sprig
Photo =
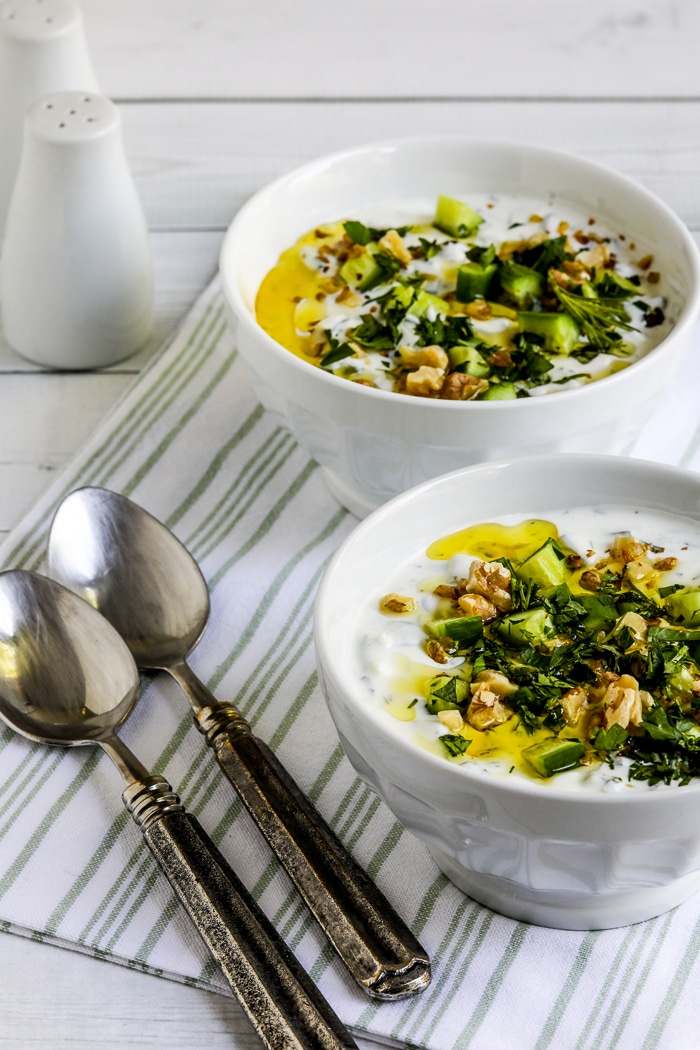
599 319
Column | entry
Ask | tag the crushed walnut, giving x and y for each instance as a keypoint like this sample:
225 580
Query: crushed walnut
398 604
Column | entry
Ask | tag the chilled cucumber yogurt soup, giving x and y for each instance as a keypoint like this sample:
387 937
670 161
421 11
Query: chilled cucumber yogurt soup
491 299
562 649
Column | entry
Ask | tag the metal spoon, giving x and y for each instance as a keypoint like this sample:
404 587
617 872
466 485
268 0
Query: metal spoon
66 677
144 581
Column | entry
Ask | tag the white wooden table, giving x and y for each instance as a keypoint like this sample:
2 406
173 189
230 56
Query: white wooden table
217 98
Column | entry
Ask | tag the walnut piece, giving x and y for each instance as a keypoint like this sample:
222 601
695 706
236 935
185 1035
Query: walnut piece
446 590
393 242
622 703
461 387
348 297
490 579
574 703
594 258
496 682
479 310
590 580
627 549
434 356
452 719
425 381
486 710
477 605
435 651
636 624
399 604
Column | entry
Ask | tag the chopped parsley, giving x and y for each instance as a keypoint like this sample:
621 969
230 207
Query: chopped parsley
361 234
609 668
454 744
431 287
338 352
429 248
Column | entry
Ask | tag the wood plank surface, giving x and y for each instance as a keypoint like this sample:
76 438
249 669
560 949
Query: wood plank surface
83 1003
195 164
395 49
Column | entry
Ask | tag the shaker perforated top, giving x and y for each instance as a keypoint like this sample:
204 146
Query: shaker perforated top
37 20
72 117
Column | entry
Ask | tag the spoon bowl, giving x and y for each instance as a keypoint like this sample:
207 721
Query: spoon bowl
64 678
130 567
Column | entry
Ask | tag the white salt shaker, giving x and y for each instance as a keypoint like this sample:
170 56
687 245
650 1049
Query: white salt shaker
42 50
76 284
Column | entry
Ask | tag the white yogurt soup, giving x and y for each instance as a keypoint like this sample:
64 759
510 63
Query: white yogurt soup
564 649
498 298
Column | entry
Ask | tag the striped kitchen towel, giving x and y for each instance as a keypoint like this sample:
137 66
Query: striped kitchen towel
190 443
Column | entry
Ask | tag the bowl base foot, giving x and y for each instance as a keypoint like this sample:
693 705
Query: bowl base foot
359 501
567 911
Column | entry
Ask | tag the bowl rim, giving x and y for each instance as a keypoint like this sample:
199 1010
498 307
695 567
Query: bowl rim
372 716
688 313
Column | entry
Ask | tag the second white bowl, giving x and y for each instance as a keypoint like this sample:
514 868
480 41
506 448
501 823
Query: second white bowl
373 444
531 850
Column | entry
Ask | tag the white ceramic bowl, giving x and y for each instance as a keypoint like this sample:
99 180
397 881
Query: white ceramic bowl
373 444
536 852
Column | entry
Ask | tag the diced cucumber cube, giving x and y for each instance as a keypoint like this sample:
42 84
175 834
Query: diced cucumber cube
599 616
467 359
362 273
684 606
446 693
547 567
500 392
458 628
560 332
681 683
554 756
525 628
473 281
521 282
455 217
424 300
401 296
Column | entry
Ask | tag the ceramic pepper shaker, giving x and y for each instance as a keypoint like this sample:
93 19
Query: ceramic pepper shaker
76 286
42 50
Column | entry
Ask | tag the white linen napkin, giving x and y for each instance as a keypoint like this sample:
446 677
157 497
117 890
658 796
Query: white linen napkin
189 442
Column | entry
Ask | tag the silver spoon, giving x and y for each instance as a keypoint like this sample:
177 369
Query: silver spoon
66 677
146 583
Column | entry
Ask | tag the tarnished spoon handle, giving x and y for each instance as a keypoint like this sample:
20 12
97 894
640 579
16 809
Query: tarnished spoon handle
284 1006
372 940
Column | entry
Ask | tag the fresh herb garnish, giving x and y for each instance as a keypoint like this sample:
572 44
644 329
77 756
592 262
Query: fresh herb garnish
361 234
609 288
555 288
373 335
634 675
446 330
598 319
548 254
454 744
338 352
429 248
483 256
611 739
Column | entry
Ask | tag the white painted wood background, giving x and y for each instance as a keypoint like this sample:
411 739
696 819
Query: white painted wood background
218 97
